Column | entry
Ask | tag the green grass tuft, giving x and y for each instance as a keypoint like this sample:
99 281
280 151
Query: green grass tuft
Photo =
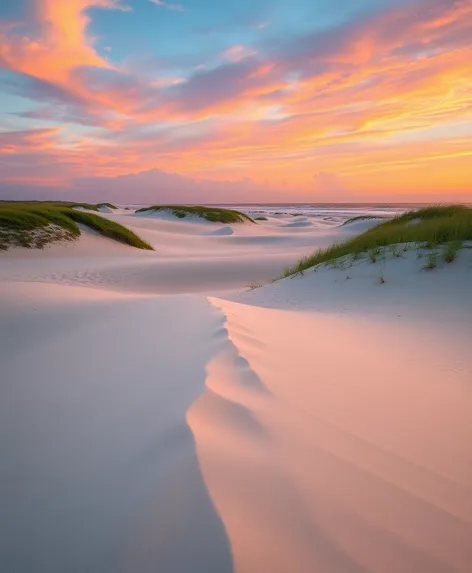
451 250
432 226
212 214
432 261
374 254
260 219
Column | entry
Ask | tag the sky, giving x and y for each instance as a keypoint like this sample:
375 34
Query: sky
143 101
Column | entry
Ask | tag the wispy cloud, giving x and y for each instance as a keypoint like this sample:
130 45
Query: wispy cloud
383 101
115 5
237 53
169 5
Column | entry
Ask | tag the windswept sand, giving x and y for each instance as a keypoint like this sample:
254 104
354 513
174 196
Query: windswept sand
349 442
155 415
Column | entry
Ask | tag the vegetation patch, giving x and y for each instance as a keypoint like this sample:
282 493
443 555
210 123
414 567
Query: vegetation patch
261 219
37 224
442 225
212 214
109 229
432 261
42 204
451 251
361 218
109 205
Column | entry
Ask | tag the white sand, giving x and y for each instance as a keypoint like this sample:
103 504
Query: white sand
153 417
350 442
188 256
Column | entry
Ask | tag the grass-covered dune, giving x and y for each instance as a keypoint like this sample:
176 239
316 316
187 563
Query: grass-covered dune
212 214
361 218
109 205
37 224
431 226
87 206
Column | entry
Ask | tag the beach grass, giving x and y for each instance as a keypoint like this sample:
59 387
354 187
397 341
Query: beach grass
43 204
109 229
260 219
109 205
431 261
361 218
212 214
37 224
451 251
433 226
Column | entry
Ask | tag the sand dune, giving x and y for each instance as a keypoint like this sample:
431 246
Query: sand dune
189 256
156 415
357 462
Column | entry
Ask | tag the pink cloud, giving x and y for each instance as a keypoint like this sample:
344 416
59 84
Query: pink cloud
266 111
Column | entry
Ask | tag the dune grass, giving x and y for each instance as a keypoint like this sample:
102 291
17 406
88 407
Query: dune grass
212 214
361 218
109 229
451 251
431 261
37 224
260 219
109 205
431 226
42 204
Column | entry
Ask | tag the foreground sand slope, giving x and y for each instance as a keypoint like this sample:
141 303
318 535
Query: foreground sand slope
339 444
99 470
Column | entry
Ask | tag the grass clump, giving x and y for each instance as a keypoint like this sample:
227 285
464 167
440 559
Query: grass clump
212 214
36 224
374 254
432 261
451 250
433 226
361 218
397 251
260 219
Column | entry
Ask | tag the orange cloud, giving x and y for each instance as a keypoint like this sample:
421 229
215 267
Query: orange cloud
361 102
61 44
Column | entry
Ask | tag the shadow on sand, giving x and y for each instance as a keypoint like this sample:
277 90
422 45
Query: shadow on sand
99 468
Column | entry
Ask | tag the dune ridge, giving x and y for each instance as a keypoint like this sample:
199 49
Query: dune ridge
323 482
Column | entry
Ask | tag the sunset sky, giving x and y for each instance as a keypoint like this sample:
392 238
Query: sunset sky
236 100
